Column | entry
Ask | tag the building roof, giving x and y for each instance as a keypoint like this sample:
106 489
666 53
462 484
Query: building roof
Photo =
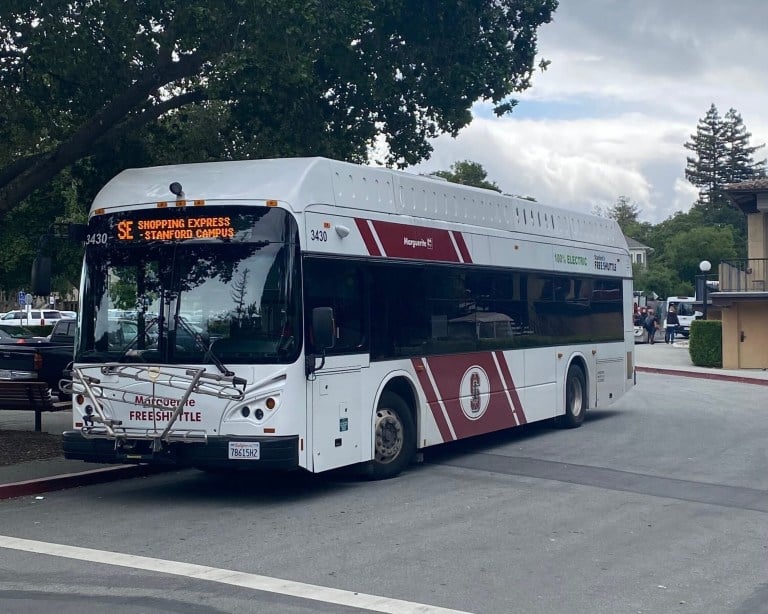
753 185
743 195
634 244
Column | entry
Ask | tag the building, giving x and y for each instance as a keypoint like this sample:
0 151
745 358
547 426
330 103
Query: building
638 252
743 284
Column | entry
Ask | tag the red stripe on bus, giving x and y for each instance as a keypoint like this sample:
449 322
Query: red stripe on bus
462 245
506 374
416 242
448 372
368 239
431 394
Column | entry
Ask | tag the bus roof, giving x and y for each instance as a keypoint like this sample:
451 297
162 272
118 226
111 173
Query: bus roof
304 182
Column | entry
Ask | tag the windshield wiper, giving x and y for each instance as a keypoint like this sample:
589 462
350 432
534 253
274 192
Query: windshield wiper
128 351
209 353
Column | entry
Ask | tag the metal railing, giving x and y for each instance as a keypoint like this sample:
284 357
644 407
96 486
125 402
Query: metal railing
745 275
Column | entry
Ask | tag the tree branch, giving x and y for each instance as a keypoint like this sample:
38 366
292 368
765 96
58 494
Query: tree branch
31 174
148 115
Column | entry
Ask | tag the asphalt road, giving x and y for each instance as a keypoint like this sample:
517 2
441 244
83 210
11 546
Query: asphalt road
657 505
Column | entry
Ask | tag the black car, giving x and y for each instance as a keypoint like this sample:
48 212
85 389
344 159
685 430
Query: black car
13 335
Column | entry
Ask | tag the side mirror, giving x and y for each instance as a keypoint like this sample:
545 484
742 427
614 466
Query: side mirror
323 328
41 276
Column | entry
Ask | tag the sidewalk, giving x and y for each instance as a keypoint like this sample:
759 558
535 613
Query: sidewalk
675 360
35 477
40 476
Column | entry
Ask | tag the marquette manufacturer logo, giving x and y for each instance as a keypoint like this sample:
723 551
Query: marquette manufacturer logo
149 401
153 409
474 392
414 243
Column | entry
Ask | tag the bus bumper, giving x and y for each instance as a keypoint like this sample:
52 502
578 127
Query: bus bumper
275 453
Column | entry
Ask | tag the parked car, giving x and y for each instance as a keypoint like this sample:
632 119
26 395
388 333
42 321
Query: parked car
14 335
44 360
35 317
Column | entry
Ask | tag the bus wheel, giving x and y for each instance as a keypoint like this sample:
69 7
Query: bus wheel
394 438
575 399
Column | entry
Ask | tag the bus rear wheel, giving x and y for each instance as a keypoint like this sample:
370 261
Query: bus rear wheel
575 399
394 436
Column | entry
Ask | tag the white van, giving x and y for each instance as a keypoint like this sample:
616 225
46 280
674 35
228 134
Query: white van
685 313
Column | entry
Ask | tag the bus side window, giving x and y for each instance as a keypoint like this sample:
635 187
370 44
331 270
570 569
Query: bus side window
341 286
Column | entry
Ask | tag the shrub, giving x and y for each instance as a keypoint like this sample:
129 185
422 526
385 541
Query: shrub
706 343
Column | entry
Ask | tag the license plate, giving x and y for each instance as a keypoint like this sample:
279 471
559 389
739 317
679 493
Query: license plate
244 450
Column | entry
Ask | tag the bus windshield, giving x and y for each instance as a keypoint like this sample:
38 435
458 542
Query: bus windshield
180 286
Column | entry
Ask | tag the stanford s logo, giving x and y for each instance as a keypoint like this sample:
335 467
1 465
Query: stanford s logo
474 392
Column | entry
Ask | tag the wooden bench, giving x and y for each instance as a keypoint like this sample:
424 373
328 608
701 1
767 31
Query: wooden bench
33 396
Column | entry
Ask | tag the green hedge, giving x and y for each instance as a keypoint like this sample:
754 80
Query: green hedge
706 343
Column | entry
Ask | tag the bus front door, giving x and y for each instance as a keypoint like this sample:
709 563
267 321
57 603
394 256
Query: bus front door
337 422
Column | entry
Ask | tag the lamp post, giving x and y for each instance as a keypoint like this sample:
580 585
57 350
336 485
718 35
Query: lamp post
704 267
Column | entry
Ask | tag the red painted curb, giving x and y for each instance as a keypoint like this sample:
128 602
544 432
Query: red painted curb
717 376
72 480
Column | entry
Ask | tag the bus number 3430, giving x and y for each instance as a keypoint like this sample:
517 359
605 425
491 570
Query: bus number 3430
318 235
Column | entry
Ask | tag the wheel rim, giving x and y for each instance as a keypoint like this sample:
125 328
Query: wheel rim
389 436
575 396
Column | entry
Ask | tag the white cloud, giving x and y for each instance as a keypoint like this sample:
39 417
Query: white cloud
575 164
627 86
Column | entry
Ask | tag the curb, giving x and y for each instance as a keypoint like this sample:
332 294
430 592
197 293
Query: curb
703 375
72 480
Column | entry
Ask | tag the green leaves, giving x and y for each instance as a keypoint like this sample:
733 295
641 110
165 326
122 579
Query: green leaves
468 173
721 155
92 87
300 78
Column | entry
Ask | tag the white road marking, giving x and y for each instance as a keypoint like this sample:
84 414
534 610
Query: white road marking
334 596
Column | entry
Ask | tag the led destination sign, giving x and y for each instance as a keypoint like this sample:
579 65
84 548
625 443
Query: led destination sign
175 229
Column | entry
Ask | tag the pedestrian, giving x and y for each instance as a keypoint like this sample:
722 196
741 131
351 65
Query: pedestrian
672 323
640 316
651 324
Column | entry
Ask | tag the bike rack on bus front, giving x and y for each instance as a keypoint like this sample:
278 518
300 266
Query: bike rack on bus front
189 380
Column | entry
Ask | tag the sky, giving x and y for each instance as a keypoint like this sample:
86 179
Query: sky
627 84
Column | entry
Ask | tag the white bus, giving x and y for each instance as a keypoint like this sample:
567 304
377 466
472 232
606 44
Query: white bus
314 314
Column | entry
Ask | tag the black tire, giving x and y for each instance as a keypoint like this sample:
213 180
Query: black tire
575 399
394 438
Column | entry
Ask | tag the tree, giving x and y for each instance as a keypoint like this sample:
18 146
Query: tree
283 78
467 172
705 168
721 155
627 214
739 155
686 250
238 292
658 278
